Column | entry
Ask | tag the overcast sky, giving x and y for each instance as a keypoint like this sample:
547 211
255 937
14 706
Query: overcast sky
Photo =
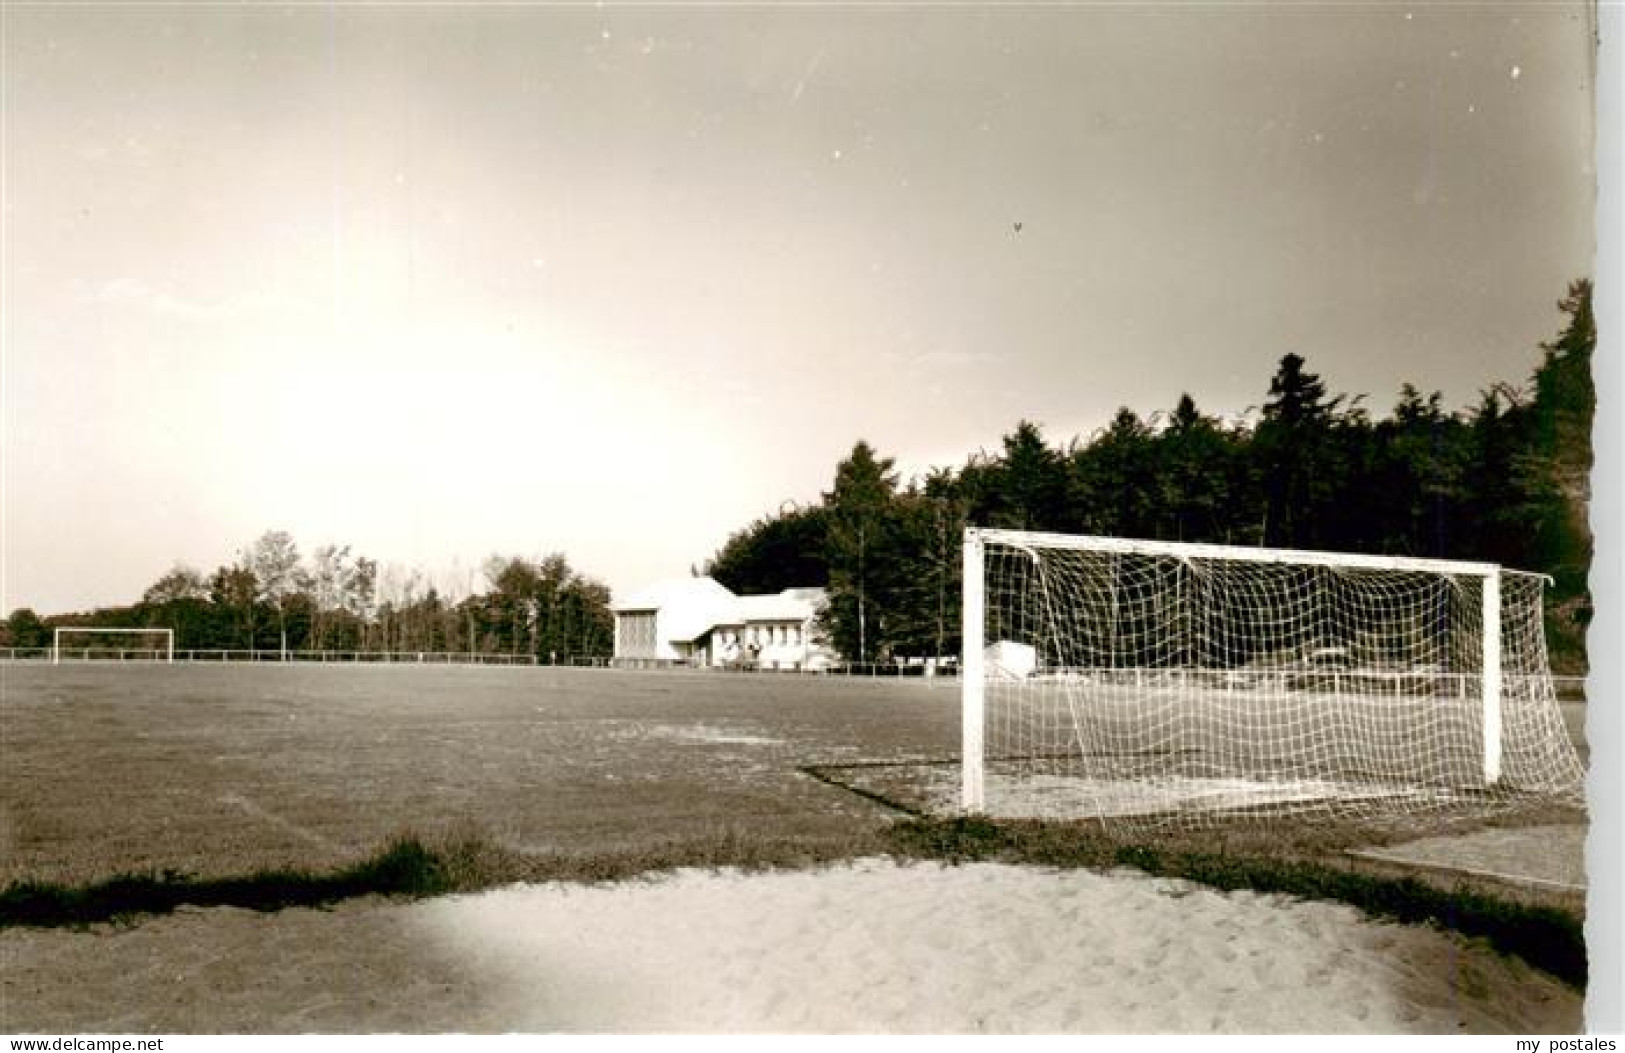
613 281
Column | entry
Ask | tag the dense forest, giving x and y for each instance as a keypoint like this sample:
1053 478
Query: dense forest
1504 480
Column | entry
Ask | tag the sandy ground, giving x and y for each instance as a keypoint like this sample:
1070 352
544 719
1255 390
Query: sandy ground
868 947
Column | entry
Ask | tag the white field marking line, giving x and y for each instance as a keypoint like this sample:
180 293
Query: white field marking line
1516 879
298 831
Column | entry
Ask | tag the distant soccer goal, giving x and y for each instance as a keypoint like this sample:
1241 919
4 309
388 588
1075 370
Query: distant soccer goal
94 643
1140 681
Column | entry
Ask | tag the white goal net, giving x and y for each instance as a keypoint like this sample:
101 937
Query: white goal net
86 643
1145 681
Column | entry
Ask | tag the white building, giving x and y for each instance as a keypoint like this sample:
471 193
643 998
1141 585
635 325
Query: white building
698 621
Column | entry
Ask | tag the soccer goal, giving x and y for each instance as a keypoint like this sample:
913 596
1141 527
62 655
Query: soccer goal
112 644
1138 681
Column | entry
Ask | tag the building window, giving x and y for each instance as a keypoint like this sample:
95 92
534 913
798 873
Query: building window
636 634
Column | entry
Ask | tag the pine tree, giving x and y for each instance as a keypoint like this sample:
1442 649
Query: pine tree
858 508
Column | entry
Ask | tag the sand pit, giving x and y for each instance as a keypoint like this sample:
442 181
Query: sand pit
870 947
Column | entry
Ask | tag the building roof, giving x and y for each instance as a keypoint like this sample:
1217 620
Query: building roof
791 605
677 590
693 606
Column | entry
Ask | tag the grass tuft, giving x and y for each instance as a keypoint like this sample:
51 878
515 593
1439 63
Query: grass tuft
404 867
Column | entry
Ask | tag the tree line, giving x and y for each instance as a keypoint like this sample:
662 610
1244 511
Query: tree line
271 598
1504 480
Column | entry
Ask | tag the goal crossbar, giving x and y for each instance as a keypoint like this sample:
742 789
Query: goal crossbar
1032 540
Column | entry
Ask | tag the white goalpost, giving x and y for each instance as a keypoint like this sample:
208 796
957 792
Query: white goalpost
1137 681
160 649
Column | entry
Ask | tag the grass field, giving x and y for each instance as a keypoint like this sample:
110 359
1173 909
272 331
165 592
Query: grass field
133 788
217 771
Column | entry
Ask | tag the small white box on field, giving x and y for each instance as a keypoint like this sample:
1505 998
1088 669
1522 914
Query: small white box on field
1008 660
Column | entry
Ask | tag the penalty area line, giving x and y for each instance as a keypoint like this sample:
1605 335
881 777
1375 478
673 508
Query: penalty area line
248 807
1494 875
